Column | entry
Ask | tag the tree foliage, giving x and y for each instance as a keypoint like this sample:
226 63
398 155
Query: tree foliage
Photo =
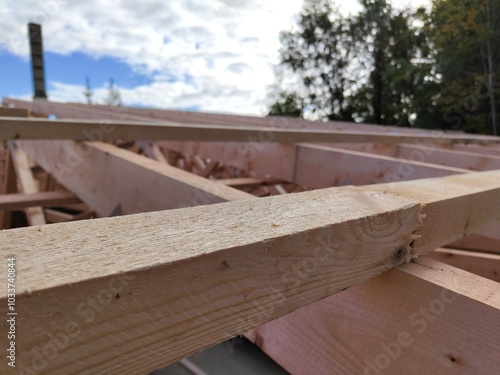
114 97
432 68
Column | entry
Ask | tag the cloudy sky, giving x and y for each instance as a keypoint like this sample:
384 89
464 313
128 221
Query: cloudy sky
207 55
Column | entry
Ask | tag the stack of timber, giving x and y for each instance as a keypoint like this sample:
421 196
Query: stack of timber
384 260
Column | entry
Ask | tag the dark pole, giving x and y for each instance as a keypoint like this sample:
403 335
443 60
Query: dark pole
36 48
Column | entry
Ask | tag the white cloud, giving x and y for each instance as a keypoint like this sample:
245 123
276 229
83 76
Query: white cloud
222 52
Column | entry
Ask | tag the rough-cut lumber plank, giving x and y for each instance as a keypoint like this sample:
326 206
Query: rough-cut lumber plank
320 166
13 112
8 186
45 199
104 176
26 183
177 283
424 318
312 165
54 216
462 201
187 284
92 130
458 159
76 110
477 149
482 264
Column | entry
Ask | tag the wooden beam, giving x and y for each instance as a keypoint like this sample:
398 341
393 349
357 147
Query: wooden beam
477 150
319 167
92 130
424 318
178 284
105 177
13 112
26 183
440 156
460 213
151 150
482 264
55 216
9 186
45 199
98 111
312 165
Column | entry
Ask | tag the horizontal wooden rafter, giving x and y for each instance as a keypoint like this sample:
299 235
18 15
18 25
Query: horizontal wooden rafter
95 130
44 199
482 264
177 284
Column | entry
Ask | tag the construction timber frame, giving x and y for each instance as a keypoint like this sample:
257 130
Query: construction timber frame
370 250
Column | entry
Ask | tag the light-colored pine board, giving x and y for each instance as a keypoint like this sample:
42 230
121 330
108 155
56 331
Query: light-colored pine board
55 216
104 176
45 199
320 166
151 150
95 130
78 110
461 210
482 264
489 151
8 186
423 318
13 112
188 286
441 156
26 183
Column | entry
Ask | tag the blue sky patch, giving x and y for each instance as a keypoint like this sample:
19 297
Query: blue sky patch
15 72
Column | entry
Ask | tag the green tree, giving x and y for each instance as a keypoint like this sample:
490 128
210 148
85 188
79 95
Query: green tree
319 53
287 104
397 65
372 67
466 39
88 92
114 97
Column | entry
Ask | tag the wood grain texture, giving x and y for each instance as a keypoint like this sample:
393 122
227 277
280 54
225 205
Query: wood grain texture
457 159
457 204
447 325
482 264
321 166
26 183
13 112
162 285
99 111
87 130
45 199
104 176
8 185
